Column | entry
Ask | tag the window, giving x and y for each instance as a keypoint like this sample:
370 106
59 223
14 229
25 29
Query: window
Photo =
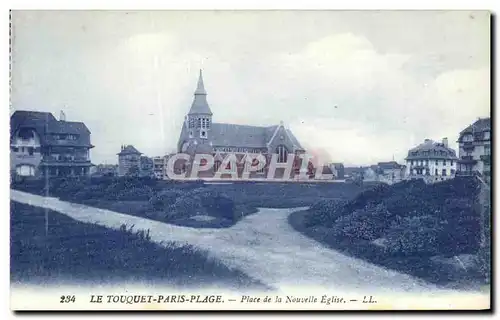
444 172
444 162
30 151
199 123
411 162
436 172
282 154
25 170
436 162
467 138
487 150
486 135
451 162
426 162
427 172
191 122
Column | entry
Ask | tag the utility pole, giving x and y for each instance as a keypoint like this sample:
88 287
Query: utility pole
46 183
484 209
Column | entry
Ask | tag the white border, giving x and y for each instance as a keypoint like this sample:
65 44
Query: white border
184 4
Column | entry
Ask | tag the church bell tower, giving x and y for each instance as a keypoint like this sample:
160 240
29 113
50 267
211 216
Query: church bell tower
199 118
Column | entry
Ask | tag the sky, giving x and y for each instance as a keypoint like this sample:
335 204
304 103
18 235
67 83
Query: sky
357 86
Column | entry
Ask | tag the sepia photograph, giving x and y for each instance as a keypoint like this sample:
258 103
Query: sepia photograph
254 160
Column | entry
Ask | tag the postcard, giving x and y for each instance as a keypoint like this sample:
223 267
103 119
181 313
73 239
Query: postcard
250 160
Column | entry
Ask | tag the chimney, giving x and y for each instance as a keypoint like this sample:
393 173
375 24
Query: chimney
427 140
62 116
445 142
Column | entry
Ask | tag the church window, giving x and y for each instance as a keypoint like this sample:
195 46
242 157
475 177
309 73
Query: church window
282 154
199 123
191 122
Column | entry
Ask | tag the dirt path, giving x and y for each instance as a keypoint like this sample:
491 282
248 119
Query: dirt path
264 246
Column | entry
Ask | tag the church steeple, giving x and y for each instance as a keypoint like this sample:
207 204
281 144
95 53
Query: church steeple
200 88
200 104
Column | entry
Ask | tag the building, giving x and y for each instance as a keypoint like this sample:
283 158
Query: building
390 172
431 161
105 170
129 161
159 167
146 166
355 173
339 168
475 149
200 134
42 145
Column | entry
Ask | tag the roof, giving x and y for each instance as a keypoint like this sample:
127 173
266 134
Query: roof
129 149
389 165
348 171
200 104
482 124
46 126
431 150
236 135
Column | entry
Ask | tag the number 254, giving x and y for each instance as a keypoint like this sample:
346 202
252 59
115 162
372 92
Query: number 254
67 299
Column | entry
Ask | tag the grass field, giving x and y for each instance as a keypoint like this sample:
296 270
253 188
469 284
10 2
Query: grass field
74 252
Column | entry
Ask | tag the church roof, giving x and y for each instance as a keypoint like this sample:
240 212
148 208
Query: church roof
200 104
236 135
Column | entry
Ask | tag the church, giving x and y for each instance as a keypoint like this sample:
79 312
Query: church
200 134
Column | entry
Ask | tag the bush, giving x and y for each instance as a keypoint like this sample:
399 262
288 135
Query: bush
325 213
367 224
185 207
135 193
164 199
414 235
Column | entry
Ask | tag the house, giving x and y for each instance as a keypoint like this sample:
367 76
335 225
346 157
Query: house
339 168
42 145
390 172
354 173
105 170
431 161
475 149
159 167
200 135
146 167
129 161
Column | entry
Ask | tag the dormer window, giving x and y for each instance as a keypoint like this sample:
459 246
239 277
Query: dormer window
467 138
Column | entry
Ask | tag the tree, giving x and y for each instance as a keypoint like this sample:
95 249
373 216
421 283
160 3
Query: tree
133 171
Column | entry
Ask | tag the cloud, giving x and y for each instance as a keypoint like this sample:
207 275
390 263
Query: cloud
362 86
